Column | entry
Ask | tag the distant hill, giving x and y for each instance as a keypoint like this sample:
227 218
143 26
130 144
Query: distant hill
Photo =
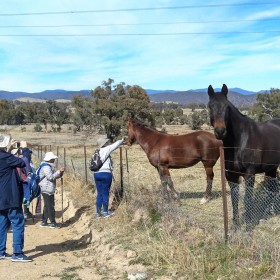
45 95
201 97
237 96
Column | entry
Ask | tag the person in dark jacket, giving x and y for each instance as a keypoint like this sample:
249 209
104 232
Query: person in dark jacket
11 197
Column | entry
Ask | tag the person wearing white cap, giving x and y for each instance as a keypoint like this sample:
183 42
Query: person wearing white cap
49 175
103 177
11 198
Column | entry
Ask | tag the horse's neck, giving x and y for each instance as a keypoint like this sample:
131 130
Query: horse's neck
146 137
237 127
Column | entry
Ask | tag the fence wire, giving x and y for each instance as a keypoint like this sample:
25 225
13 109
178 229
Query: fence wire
136 175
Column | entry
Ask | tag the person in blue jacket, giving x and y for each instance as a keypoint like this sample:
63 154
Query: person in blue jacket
11 197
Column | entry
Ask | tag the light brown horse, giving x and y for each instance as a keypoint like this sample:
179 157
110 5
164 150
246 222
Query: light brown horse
166 151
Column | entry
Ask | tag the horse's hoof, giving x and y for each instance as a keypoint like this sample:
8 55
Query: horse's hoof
204 200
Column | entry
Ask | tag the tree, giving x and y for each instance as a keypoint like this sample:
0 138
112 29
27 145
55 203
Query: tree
267 105
196 119
7 112
82 113
57 114
109 107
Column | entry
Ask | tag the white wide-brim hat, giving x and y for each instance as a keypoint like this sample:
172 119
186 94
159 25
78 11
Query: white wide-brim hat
49 156
4 141
102 140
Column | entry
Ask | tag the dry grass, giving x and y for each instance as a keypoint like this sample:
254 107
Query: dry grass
185 242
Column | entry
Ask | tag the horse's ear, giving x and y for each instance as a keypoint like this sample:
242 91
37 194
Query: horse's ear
224 90
210 91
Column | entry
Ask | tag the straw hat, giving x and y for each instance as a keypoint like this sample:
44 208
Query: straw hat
102 140
49 156
4 141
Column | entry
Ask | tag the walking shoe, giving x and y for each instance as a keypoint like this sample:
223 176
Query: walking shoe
108 214
44 224
54 225
98 216
20 258
5 256
28 215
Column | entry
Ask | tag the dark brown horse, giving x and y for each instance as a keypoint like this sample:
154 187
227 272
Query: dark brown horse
166 151
249 147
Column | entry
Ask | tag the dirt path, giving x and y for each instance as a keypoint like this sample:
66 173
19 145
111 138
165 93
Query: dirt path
76 251
56 253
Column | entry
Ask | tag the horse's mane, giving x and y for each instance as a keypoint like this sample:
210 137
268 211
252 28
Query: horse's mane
236 110
140 123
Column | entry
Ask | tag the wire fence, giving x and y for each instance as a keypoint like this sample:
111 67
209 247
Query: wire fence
133 172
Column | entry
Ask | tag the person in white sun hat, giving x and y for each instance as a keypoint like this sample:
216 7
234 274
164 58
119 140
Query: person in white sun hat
48 175
103 177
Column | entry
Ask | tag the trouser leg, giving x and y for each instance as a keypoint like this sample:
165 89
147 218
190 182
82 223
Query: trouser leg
4 227
49 211
17 220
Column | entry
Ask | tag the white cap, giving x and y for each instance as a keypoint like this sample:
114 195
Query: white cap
4 141
49 156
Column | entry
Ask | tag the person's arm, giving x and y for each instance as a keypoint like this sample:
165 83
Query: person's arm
26 153
114 146
49 174
15 161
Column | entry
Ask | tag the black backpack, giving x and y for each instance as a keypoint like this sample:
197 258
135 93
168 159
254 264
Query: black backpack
96 163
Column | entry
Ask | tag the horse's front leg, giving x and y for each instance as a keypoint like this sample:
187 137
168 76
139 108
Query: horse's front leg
248 201
164 184
209 179
234 192
167 181
174 193
272 190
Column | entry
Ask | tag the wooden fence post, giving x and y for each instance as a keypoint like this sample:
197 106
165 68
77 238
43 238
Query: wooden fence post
224 192
85 155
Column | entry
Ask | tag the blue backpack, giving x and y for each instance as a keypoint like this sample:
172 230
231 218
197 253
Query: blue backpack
31 188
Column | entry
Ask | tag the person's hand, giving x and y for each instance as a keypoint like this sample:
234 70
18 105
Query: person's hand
124 140
23 144
61 169
13 142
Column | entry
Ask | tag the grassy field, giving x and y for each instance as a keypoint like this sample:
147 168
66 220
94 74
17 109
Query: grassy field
179 241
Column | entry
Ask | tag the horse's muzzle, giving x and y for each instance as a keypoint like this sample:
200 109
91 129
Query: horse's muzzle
220 132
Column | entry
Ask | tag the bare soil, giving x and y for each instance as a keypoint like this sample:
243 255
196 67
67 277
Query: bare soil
80 249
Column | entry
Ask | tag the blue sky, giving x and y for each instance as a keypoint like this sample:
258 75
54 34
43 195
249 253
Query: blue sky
161 44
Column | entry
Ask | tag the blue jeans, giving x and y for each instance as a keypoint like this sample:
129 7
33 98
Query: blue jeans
14 217
103 181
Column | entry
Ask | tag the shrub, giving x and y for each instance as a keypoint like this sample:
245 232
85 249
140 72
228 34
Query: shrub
38 128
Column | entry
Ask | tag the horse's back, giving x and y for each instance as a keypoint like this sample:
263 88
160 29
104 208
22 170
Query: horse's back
273 124
270 134
177 151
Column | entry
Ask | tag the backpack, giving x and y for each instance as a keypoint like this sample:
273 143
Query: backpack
31 188
96 163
